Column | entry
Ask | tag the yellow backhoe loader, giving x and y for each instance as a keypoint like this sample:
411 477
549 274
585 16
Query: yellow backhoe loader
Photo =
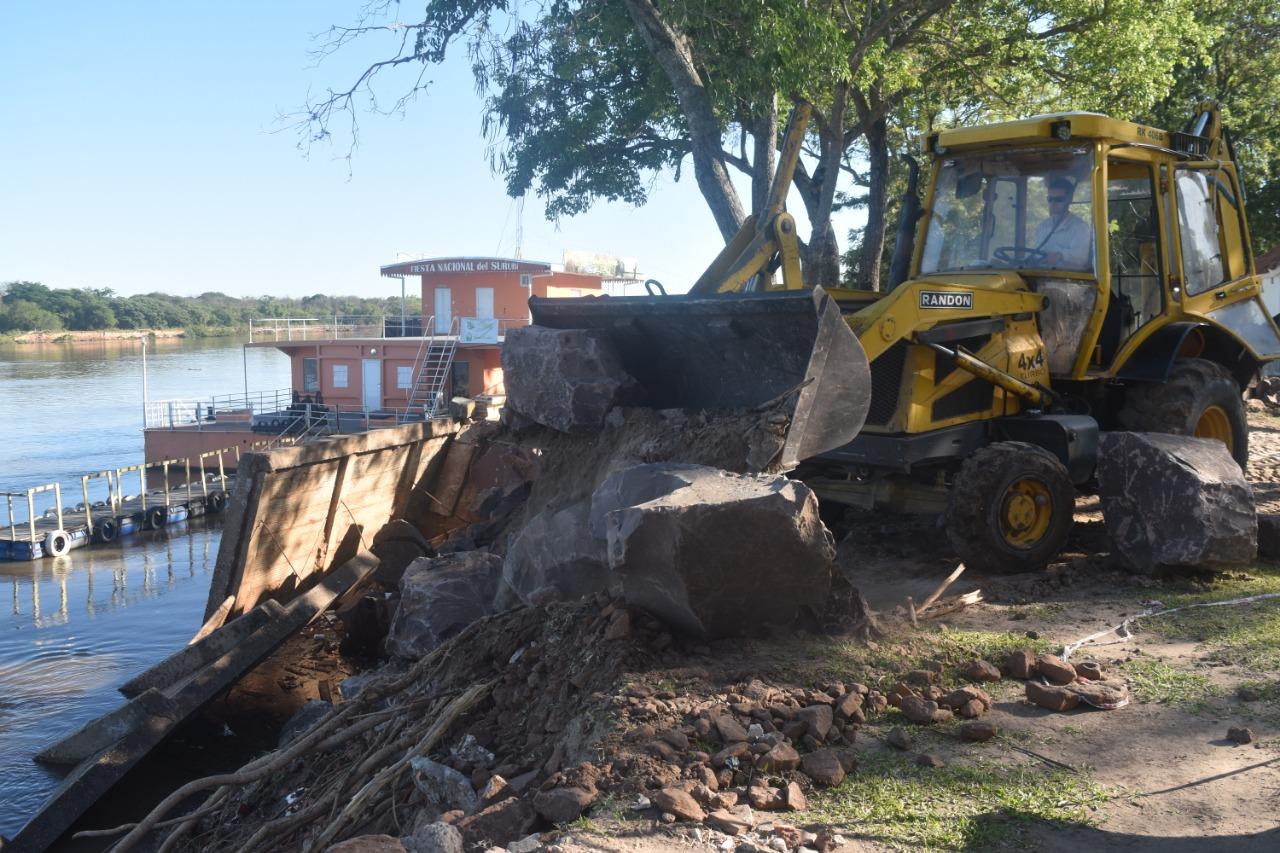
1064 274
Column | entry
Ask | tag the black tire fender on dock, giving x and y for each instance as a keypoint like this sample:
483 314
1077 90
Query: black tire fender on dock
105 531
216 502
156 517
57 542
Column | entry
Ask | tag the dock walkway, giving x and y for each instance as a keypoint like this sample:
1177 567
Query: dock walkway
202 488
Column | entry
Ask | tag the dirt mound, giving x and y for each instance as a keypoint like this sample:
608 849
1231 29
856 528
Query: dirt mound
538 710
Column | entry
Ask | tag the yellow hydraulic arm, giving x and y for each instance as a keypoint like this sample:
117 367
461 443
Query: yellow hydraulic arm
750 253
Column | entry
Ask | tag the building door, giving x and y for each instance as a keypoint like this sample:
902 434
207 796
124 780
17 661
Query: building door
460 379
444 310
372 384
484 303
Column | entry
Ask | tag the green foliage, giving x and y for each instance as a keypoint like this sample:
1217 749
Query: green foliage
584 103
979 805
1156 681
1240 68
30 306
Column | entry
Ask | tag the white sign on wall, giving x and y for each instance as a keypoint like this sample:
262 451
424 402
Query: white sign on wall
478 330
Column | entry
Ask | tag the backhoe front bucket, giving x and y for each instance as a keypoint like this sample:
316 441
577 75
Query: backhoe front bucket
737 351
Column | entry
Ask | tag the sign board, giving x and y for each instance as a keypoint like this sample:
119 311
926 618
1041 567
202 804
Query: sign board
478 330
596 263
430 266
962 300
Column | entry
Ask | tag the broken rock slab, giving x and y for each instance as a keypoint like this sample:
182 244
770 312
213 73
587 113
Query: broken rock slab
439 597
723 554
566 379
1173 500
555 558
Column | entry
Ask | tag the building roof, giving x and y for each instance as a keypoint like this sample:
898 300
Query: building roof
1269 260
426 266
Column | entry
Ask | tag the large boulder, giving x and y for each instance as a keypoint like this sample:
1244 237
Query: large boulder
555 558
567 379
439 597
1173 500
721 554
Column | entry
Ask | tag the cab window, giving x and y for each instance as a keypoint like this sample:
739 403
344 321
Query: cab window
1137 292
1204 263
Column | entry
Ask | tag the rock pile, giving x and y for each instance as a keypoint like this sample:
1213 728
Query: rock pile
562 725
1057 685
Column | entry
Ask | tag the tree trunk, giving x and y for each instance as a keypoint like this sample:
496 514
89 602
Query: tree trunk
764 132
671 49
822 256
873 238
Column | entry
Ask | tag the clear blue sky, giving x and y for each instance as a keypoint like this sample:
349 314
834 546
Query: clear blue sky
138 154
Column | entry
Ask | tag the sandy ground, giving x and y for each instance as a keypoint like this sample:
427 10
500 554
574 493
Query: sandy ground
1175 784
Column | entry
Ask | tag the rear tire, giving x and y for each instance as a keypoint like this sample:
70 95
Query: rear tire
1010 509
1200 397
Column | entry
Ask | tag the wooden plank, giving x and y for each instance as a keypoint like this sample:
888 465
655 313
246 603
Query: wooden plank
187 660
214 622
94 777
447 488
241 513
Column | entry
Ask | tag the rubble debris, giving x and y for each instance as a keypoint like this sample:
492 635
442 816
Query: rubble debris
439 596
679 803
704 558
1052 697
823 766
397 545
1240 735
900 738
442 786
1268 536
1172 500
306 717
980 670
555 557
1020 664
1090 670
979 732
566 379
564 804
923 711
1055 669
928 759
1106 695
434 837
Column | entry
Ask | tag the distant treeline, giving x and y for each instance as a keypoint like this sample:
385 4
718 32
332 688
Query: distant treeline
27 306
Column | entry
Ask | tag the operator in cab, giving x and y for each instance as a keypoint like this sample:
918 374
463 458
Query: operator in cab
1065 238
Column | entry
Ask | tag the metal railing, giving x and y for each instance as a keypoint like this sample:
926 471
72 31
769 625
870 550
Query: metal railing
170 414
115 485
337 327
340 327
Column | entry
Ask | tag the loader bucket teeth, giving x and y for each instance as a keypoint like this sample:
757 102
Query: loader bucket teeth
737 351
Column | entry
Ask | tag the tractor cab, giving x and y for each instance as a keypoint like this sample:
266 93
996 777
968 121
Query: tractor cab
1136 236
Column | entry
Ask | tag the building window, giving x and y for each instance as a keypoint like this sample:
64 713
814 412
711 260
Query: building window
339 376
404 376
310 375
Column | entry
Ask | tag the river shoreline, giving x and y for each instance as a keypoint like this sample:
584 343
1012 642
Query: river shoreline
101 335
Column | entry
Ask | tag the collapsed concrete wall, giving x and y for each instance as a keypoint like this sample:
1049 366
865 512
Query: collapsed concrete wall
297 512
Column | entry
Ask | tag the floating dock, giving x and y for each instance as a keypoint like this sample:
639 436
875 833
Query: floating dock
203 489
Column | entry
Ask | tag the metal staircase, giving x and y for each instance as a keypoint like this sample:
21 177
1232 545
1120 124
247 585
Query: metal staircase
431 371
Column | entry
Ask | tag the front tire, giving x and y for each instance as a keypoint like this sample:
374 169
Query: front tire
1010 508
1199 398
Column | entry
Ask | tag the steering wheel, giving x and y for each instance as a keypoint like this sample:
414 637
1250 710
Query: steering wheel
1016 256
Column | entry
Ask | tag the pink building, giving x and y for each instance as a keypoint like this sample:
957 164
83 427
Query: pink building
356 373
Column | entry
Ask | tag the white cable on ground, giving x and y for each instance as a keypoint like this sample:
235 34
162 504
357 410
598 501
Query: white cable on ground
1155 608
